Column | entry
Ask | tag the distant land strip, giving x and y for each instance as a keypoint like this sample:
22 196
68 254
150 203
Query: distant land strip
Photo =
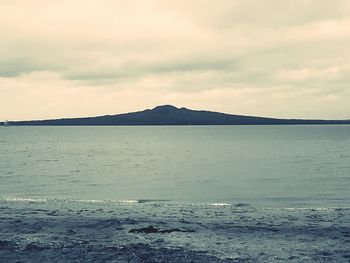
170 115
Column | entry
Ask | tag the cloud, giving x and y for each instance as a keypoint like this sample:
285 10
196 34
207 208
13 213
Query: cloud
233 56
312 74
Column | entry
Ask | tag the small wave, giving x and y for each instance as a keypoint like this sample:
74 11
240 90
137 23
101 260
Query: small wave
242 205
31 200
164 202
128 201
160 202
314 209
102 201
220 204
151 200
86 201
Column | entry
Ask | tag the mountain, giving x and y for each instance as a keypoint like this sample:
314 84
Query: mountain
170 115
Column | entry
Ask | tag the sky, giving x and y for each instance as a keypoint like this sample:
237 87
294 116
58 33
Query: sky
72 58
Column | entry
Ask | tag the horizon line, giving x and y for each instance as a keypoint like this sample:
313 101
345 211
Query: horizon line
176 107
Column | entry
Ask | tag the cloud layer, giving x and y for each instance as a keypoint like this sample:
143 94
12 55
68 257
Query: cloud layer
85 58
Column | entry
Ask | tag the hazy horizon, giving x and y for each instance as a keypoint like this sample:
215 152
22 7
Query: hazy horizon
68 59
140 110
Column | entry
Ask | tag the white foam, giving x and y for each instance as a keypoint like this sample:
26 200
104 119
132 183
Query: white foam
35 200
88 201
220 204
309 208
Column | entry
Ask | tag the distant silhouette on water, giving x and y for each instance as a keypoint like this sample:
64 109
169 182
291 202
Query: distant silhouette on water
170 115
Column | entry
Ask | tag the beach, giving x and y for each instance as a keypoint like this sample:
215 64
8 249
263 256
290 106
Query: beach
131 231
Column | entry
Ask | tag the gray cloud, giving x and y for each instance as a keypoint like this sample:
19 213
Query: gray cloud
235 55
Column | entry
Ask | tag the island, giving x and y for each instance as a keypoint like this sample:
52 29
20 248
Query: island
171 115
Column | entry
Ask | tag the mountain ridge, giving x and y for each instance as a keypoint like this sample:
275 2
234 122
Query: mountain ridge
171 115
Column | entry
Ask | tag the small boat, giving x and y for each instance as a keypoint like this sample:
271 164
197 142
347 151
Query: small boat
6 123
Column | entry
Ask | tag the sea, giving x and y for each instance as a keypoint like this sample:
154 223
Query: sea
175 193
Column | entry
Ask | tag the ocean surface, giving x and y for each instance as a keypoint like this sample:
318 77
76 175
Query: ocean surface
212 193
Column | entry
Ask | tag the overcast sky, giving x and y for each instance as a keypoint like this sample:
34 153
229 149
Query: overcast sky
278 58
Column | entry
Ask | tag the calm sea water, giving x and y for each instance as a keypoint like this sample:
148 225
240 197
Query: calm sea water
213 193
263 165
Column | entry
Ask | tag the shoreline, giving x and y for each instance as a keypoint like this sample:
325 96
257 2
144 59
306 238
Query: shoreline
102 232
